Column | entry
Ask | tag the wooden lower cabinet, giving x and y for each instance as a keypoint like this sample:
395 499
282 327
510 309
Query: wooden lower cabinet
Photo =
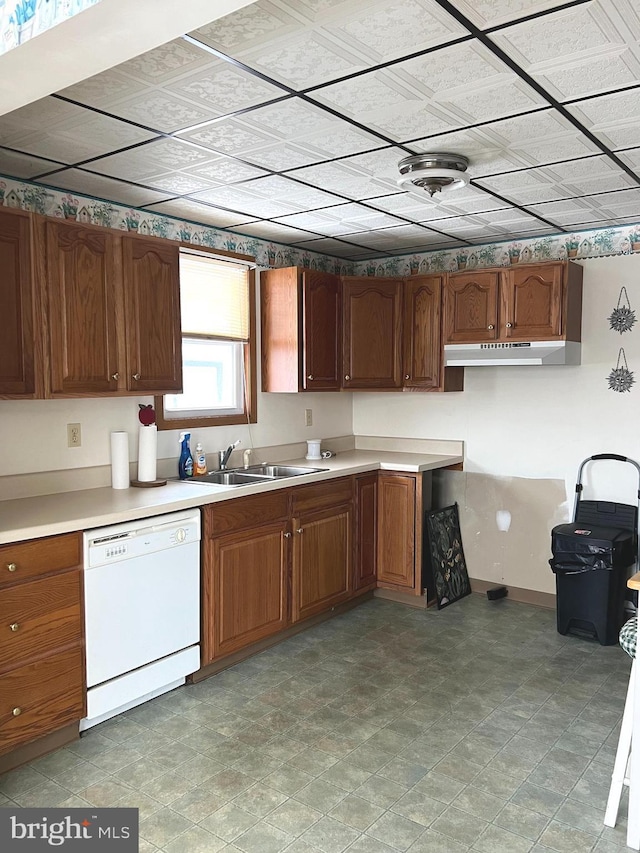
366 527
274 559
249 576
42 682
322 561
402 500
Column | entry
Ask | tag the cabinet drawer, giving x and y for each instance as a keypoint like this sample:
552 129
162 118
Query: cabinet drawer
241 513
40 616
40 697
329 493
25 560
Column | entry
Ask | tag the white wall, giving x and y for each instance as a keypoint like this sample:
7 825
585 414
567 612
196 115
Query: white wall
526 429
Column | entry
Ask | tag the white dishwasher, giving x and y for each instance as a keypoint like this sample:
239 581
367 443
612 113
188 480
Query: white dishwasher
142 610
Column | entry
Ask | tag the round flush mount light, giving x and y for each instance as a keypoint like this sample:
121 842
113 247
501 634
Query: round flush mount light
433 172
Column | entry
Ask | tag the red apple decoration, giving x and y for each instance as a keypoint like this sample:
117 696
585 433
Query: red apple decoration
146 415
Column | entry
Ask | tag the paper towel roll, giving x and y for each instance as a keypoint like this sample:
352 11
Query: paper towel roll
120 460
147 453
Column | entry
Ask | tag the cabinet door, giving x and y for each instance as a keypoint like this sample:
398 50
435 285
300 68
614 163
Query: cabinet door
245 589
152 316
396 530
322 561
421 329
321 366
471 308
372 316
83 280
16 305
366 530
531 305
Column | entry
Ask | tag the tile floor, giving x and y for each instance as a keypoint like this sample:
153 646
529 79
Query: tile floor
386 729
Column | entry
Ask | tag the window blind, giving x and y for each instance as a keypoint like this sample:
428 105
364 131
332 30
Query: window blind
214 298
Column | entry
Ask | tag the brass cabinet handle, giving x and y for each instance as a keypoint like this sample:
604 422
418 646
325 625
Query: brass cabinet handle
115 376
14 627
300 530
16 712
347 377
287 536
406 376
309 376
12 567
136 376
491 326
509 325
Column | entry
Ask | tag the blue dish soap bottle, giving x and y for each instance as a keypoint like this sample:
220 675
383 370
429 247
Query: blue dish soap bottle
185 463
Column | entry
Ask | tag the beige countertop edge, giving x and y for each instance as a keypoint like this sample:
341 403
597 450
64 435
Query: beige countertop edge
49 515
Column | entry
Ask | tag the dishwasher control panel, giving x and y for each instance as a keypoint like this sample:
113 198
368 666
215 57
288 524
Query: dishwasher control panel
133 539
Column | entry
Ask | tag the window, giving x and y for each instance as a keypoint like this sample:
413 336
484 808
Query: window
217 307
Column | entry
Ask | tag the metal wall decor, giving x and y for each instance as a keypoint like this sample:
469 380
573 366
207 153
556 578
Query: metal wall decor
623 317
621 378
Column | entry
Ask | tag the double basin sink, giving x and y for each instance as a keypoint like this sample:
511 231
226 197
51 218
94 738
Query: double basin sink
263 473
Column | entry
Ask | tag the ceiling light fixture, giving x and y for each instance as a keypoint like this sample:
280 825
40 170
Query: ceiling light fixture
433 172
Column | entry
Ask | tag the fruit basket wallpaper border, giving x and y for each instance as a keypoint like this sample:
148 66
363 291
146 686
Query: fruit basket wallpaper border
593 243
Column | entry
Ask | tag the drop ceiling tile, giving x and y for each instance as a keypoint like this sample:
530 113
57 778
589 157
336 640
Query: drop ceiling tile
283 156
163 63
17 165
222 88
208 215
49 112
160 111
577 32
367 219
295 193
178 183
88 183
225 170
609 115
379 29
397 238
103 89
325 245
631 158
237 198
323 222
313 128
228 136
254 25
621 203
275 231
155 158
493 13
339 178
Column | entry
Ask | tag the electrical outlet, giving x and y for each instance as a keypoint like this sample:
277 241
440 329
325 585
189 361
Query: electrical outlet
74 435
308 417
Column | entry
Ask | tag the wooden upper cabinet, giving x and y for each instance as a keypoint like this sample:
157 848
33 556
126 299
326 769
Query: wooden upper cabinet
372 332
531 303
152 315
82 292
471 307
421 332
17 376
301 315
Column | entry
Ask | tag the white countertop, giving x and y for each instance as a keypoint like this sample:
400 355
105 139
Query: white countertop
48 515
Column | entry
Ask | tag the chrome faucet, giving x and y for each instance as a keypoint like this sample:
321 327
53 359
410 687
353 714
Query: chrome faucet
224 455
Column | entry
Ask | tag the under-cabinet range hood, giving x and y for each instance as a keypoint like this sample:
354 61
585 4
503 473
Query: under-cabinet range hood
516 353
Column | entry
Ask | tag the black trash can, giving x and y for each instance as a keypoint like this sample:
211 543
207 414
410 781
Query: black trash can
591 565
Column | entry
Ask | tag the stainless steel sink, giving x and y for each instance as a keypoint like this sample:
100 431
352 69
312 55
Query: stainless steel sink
263 473
230 478
277 471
